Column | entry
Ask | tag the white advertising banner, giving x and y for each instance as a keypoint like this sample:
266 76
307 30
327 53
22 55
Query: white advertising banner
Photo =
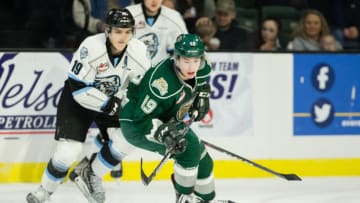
31 85
30 88
231 96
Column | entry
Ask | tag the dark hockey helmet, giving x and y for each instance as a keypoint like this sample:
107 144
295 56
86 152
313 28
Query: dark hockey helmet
117 17
189 45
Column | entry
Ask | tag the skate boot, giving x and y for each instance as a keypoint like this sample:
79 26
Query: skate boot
117 172
194 199
182 198
90 185
38 196
76 171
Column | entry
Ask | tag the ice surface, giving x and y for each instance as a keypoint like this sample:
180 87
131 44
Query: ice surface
260 190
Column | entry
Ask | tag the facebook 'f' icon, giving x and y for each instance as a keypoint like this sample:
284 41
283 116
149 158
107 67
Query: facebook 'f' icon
322 77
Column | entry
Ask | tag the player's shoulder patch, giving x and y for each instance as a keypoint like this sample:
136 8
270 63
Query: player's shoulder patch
84 52
161 85
163 81
92 45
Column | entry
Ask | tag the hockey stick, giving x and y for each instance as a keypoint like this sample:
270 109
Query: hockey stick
147 179
281 175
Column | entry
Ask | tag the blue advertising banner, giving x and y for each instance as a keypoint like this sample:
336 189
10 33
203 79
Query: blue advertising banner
326 94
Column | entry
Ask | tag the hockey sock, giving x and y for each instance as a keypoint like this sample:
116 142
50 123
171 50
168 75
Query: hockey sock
104 161
53 176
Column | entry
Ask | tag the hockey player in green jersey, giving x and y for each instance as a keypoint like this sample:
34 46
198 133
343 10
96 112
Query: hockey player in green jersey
153 117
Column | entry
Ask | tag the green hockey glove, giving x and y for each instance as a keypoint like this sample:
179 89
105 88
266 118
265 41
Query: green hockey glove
201 103
171 134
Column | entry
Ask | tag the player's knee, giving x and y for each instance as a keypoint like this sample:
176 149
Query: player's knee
192 155
206 165
66 153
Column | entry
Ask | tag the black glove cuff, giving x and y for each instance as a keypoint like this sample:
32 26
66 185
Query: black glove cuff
112 106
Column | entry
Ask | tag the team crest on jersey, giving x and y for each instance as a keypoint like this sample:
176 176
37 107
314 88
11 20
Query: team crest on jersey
161 85
108 85
83 52
182 96
151 40
102 67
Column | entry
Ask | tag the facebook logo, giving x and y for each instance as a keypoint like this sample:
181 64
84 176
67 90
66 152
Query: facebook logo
323 77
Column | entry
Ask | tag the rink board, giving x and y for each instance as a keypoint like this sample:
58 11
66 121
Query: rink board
32 172
261 109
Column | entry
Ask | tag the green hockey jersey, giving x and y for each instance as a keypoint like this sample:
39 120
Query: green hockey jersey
161 95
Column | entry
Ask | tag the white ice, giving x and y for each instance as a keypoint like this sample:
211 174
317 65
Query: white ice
259 190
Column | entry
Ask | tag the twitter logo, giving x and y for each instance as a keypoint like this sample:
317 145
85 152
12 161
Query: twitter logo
322 112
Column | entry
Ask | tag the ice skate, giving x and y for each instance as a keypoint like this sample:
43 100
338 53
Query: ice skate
38 196
76 171
117 171
90 185
181 198
194 199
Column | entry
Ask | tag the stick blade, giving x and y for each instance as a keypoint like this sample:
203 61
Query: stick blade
145 180
292 177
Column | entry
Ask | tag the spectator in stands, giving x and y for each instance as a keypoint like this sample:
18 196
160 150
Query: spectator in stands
88 17
206 33
307 34
96 10
344 18
329 43
191 10
268 35
169 4
298 4
231 36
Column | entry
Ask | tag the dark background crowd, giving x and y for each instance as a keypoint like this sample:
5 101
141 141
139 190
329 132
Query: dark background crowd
224 25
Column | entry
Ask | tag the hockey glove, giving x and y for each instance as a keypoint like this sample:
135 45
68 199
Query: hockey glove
112 107
201 104
171 134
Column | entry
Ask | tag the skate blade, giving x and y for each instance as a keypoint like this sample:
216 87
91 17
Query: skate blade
79 182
